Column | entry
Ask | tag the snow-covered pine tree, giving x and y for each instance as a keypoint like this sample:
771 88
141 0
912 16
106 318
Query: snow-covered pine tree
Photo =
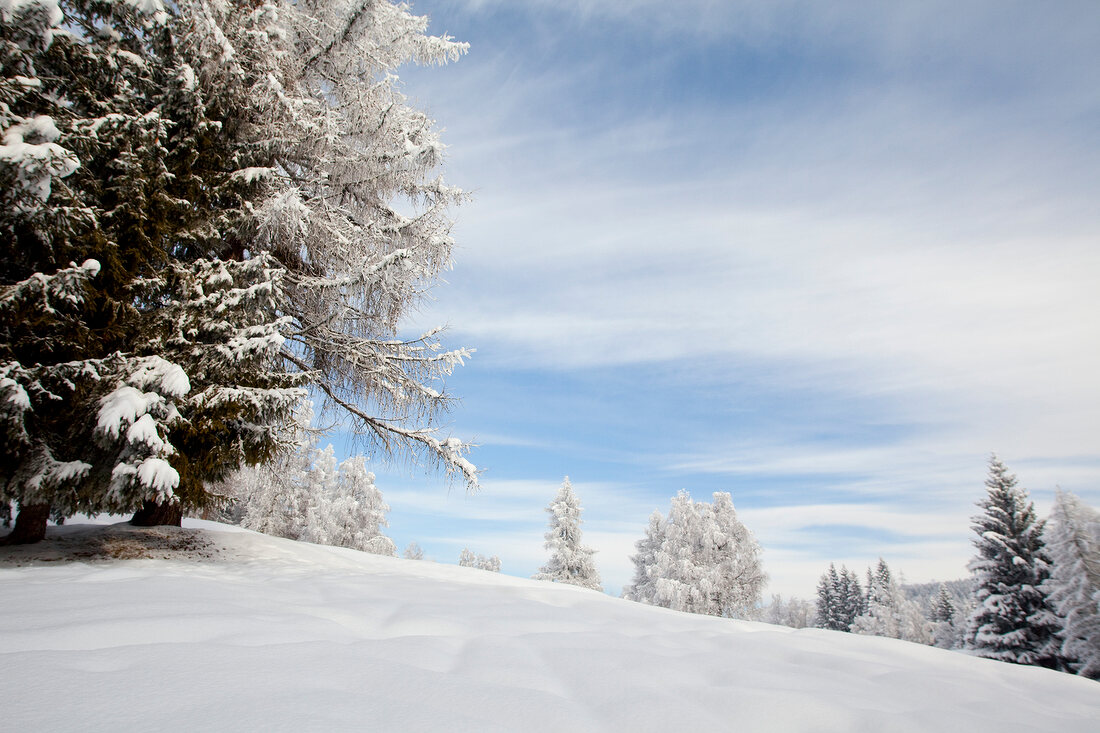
829 603
881 615
839 599
467 558
1072 538
1012 621
888 613
121 393
943 618
943 608
45 298
570 561
852 598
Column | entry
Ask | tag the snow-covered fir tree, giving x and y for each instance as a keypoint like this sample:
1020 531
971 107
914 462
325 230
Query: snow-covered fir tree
1012 620
704 560
467 558
1072 538
881 616
853 600
829 602
887 612
839 599
943 608
571 561
935 600
155 345
945 632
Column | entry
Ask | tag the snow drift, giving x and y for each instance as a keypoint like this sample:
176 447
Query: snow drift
215 628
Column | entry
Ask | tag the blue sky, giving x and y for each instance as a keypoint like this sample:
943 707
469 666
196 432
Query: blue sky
825 256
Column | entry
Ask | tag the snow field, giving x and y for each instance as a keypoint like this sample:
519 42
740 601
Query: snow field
275 635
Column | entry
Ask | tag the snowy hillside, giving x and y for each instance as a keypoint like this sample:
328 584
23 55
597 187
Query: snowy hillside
269 634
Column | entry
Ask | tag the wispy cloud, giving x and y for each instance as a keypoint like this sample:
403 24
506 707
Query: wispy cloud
889 209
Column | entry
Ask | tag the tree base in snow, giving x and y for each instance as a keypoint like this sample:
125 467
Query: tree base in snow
30 525
153 514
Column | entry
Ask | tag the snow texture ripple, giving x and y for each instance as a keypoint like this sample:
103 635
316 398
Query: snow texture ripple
270 634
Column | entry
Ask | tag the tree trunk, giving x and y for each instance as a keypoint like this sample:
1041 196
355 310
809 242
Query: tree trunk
153 514
30 525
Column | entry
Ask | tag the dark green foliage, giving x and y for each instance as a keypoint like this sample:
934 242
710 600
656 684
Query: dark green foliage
943 608
1012 621
839 599
150 207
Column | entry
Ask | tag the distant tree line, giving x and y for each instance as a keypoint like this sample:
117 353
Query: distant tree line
1034 597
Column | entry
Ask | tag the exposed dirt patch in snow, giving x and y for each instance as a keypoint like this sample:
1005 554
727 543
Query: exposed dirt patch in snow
105 543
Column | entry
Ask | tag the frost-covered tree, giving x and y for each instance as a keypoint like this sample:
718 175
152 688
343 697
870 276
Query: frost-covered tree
352 203
253 203
1012 620
1072 538
571 560
413 552
348 510
468 559
275 496
492 563
887 612
793 612
645 561
305 495
704 561
321 481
